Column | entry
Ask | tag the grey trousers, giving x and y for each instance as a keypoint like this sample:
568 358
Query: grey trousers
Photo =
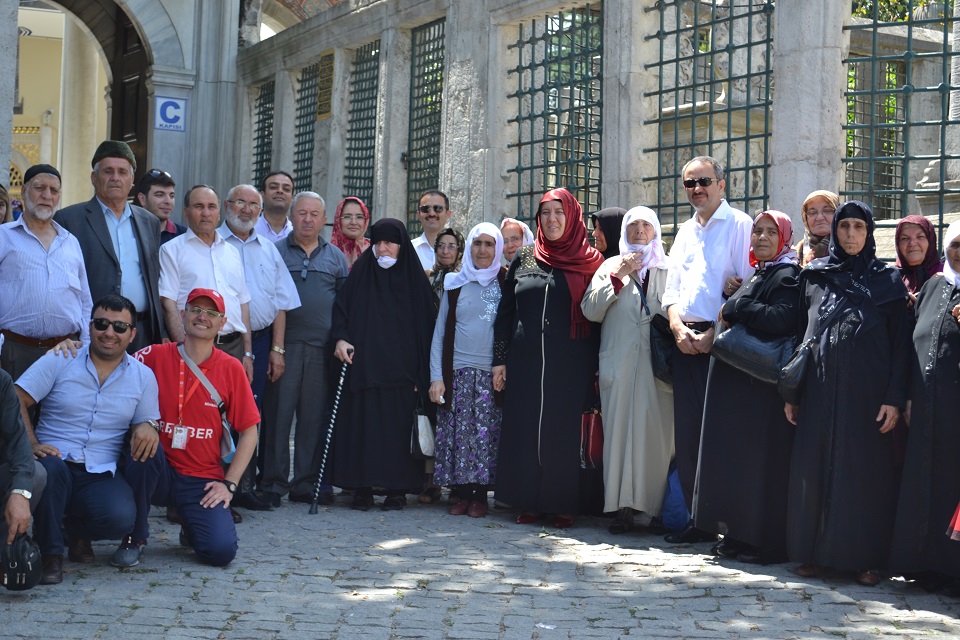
302 392
39 482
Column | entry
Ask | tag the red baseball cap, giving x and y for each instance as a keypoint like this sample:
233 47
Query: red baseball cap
214 296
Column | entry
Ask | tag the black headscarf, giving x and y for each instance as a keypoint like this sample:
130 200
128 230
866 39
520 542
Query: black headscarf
387 315
609 220
858 281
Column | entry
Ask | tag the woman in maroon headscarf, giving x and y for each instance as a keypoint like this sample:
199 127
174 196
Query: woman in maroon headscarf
917 257
349 225
545 358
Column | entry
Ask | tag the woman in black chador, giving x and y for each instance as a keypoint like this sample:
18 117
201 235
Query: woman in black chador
931 475
843 483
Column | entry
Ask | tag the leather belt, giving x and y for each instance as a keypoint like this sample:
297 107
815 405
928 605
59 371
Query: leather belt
699 326
260 332
37 343
226 338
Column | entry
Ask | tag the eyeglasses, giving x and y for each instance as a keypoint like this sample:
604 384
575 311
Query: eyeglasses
826 213
703 182
359 218
156 173
243 204
448 246
200 311
436 208
101 324
306 269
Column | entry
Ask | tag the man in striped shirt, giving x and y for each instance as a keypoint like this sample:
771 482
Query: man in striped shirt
44 295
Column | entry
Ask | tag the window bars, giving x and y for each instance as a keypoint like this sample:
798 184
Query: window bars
901 147
426 105
360 153
559 102
263 132
715 96
305 121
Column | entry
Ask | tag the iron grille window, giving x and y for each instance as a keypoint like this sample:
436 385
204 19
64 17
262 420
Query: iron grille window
426 103
559 102
714 98
304 127
898 114
263 132
362 123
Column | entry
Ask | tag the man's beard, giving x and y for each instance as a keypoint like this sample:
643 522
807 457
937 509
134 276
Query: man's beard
40 212
236 224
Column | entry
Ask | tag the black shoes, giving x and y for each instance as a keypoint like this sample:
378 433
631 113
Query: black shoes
690 535
80 550
728 548
52 569
251 501
394 503
362 501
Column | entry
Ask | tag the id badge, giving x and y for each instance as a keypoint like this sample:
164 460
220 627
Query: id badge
179 437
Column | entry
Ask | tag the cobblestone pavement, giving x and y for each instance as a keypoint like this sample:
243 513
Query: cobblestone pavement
422 573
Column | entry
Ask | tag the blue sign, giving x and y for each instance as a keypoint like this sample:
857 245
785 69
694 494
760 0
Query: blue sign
170 114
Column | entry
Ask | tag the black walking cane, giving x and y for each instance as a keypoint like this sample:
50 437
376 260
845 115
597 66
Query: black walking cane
326 446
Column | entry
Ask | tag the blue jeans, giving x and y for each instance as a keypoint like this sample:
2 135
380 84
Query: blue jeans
95 506
212 533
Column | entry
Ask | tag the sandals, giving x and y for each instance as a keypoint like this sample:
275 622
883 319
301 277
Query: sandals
429 495
623 522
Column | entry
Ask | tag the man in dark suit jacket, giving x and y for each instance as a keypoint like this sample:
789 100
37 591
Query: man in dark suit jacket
120 241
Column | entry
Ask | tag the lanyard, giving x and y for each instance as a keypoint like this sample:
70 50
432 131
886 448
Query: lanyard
181 400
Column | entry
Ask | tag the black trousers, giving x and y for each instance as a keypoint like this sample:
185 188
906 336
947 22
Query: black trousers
689 391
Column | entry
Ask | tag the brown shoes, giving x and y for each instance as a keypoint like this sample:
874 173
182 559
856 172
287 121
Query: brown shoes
477 508
460 508
869 578
80 550
52 569
809 570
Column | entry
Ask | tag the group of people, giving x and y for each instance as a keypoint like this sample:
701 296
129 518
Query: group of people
171 343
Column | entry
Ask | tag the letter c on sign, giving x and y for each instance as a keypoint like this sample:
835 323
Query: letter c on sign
165 112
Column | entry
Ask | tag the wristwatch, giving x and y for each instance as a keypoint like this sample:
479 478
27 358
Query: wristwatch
249 354
23 492
279 350
231 486
154 424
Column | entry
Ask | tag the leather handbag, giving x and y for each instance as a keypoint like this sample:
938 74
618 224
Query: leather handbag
591 440
757 357
794 372
661 347
423 442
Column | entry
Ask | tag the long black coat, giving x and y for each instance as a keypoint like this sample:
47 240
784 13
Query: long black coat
745 447
549 384
931 476
843 485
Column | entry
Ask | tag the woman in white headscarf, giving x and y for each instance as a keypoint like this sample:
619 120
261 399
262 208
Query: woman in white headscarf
516 234
624 294
461 357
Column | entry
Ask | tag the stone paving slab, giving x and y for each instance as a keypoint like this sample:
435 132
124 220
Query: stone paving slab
423 574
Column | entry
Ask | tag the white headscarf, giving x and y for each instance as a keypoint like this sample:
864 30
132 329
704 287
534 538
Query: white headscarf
952 232
527 234
468 271
651 254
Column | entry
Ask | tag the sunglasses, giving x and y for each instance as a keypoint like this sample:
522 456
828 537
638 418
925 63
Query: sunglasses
101 324
210 313
703 182
436 208
156 173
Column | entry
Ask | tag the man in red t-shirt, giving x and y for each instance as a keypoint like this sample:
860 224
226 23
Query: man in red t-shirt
186 472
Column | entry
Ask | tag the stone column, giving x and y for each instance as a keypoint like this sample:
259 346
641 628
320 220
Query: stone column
390 177
80 98
8 60
808 142
625 108
942 176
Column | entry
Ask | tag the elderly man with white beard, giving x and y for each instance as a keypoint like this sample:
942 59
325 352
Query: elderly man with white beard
46 298
272 294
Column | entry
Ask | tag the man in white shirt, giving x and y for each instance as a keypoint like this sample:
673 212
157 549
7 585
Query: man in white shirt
709 248
201 258
272 294
433 213
277 194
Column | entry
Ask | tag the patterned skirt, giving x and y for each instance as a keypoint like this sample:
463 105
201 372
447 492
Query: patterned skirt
468 436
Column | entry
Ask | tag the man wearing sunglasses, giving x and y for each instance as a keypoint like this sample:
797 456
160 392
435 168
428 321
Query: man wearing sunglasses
187 471
433 213
91 404
710 248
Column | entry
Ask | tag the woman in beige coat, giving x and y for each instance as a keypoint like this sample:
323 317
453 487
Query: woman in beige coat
637 408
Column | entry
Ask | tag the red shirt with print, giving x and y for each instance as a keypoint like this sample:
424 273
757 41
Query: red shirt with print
201 456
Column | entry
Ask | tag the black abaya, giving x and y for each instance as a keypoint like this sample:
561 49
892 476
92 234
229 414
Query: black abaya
743 472
931 479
